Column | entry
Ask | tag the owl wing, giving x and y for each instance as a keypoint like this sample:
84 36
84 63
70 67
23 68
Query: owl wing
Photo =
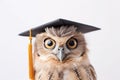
93 72
90 72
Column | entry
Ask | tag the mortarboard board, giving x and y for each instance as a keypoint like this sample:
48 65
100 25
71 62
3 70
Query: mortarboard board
58 23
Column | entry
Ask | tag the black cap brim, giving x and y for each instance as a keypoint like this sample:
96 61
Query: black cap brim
58 23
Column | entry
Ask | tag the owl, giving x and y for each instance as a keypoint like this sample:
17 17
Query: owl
61 54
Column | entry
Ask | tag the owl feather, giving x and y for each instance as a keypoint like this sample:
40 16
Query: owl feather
61 54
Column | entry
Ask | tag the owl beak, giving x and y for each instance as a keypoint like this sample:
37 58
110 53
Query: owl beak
60 54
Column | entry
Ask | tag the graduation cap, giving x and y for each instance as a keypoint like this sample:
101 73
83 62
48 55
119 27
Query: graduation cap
83 28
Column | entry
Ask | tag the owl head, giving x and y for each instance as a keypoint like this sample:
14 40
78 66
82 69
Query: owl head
59 44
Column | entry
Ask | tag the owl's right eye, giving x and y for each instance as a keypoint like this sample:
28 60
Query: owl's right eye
49 43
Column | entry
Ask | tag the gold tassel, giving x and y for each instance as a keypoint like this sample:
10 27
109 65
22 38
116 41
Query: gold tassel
30 58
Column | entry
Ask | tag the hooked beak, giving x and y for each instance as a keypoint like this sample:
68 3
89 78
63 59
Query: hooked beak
61 54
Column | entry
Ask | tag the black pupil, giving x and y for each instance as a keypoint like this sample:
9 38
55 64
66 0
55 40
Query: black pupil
71 43
49 43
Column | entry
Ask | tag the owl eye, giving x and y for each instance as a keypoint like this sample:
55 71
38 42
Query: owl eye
72 43
49 43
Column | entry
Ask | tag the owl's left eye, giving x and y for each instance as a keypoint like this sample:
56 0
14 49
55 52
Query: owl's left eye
49 43
72 43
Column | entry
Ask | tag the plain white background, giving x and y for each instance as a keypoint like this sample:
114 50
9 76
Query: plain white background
17 16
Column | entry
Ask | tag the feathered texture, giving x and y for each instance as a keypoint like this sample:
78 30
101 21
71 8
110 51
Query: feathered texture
74 66
62 31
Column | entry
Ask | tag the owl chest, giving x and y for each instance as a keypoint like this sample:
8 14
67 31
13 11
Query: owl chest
58 74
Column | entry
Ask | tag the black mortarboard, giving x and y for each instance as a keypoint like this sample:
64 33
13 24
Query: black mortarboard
58 23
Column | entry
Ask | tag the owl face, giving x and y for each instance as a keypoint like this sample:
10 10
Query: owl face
60 44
